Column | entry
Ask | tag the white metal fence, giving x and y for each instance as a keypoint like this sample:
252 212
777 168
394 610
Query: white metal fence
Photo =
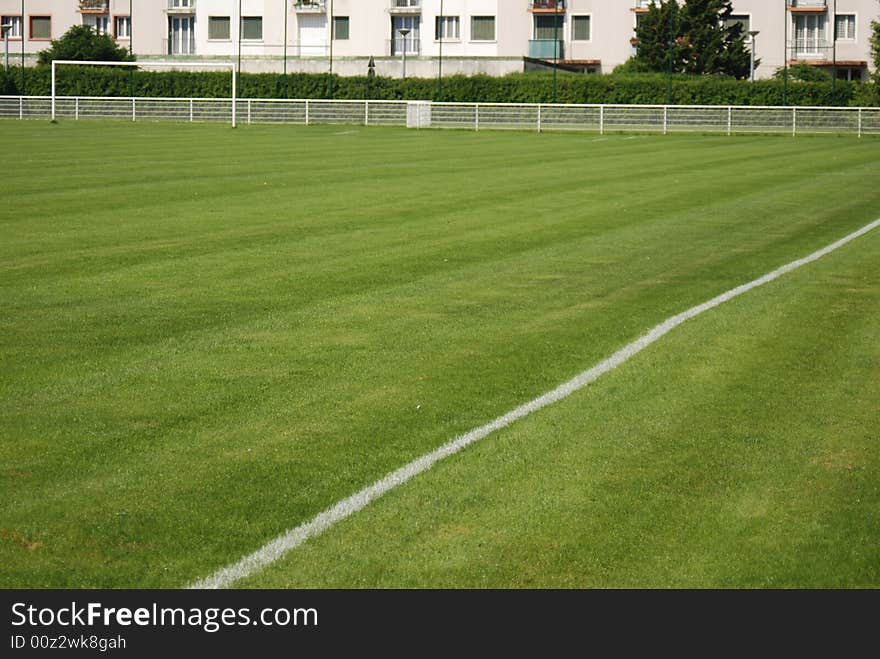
471 116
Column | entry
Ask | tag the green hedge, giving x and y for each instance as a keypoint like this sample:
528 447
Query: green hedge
515 88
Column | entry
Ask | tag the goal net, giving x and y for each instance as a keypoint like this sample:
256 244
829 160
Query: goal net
169 66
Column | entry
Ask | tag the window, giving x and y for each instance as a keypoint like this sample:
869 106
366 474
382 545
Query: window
252 28
122 27
743 20
548 27
41 28
100 24
580 28
447 27
482 28
845 27
218 28
809 34
14 31
340 28
411 43
181 35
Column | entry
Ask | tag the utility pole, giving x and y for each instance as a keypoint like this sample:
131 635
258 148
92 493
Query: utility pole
559 3
330 75
785 60
442 26
834 48
286 12
23 81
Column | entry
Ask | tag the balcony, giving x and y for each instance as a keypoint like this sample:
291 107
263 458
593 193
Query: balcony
547 7
181 7
806 6
405 7
183 44
310 6
398 45
94 6
642 6
546 49
810 51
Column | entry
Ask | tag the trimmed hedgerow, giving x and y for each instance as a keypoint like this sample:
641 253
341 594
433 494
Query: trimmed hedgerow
514 88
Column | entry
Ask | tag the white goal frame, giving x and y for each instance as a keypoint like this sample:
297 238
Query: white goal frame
168 65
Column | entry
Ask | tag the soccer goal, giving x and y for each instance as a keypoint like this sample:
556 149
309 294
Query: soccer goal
155 65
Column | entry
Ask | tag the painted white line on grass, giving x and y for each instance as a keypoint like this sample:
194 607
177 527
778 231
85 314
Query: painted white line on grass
293 538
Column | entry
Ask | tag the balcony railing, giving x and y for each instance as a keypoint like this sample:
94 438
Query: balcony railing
807 4
94 6
180 46
546 49
181 6
398 44
405 7
810 49
539 6
310 6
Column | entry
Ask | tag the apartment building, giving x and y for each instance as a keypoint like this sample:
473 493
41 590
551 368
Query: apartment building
471 36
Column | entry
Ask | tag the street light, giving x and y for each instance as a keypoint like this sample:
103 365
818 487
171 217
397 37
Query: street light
403 32
753 34
6 27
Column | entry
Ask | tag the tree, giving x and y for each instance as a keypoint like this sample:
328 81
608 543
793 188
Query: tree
658 37
695 38
84 44
714 44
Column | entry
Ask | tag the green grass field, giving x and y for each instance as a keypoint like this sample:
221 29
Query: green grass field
210 335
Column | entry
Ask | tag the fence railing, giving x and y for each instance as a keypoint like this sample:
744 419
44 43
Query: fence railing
471 116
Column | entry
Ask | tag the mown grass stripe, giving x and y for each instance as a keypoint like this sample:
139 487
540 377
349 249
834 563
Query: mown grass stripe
345 508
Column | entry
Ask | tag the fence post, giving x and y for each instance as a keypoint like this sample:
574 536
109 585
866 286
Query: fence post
191 111
793 122
366 113
729 120
21 107
307 112
76 109
249 111
601 120
477 116
133 109
860 122
665 124
539 117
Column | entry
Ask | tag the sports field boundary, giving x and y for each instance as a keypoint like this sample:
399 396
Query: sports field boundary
293 538
539 117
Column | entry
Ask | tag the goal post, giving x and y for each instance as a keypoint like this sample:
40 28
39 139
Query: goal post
162 65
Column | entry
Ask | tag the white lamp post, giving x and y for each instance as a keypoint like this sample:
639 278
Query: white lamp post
6 27
753 34
403 32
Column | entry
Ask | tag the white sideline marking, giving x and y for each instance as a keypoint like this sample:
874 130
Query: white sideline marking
293 538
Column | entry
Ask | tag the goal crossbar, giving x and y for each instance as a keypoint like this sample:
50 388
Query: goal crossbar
169 65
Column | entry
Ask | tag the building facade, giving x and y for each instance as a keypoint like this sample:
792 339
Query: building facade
412 36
